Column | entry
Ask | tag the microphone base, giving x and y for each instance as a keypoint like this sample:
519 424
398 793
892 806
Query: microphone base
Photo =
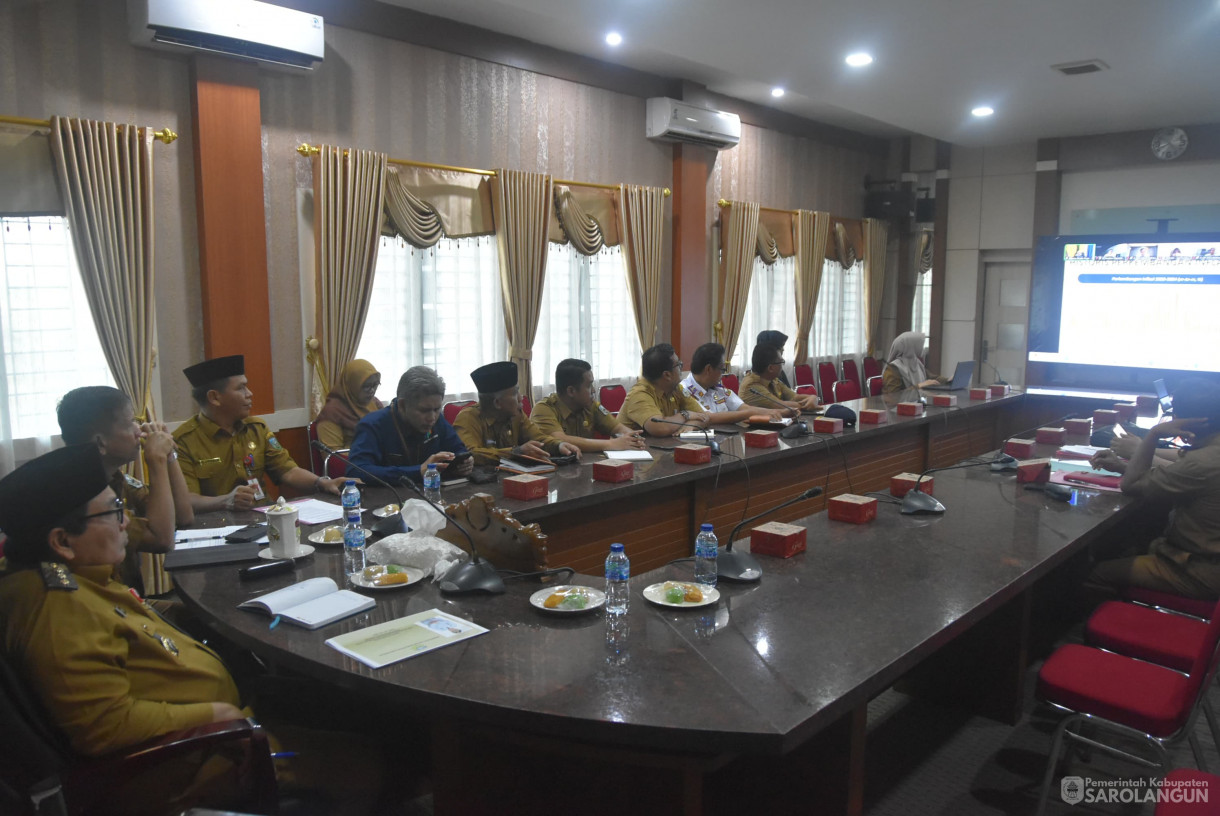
472 576
916 501
389 525
1003 463
741 567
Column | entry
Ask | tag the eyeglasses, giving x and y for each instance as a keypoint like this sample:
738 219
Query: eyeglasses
678 365
724 367
117 512
778 362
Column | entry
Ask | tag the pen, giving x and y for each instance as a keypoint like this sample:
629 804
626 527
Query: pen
190 539
283 754
274 622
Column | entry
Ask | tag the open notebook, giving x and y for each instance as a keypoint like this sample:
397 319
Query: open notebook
313 603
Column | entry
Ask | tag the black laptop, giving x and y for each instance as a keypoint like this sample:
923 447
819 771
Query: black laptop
961 378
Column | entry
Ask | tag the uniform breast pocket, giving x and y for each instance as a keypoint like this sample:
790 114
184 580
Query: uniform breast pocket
208 469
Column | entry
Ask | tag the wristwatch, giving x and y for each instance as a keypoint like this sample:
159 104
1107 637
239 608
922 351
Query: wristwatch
685 414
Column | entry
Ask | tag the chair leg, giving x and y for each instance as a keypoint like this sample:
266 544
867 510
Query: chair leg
1056 747
1210 713
1194 747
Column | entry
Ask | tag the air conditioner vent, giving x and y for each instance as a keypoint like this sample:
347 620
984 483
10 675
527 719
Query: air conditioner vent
1077 68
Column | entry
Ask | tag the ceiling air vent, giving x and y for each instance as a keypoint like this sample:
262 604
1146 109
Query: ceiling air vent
1086 67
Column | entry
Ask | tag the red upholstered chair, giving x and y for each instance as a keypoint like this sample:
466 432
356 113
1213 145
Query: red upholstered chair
324 464
851 372
844 390
1200 794
452 409
730 382
826 380
1174 603
527 405
872 368
803 374
807 389
611 397
875 385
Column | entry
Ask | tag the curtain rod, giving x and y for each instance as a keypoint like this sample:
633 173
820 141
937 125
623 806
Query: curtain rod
725 203
308 150
164 135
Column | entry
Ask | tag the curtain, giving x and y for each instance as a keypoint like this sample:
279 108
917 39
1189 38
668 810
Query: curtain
521 207
924 252
811 233
641 216
582 230
461 200
417 221
738 246
769 307
768 250
876 240
349 193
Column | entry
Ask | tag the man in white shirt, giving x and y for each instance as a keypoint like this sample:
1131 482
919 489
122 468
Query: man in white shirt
703 383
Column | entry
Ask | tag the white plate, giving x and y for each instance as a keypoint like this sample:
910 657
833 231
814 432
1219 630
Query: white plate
596 599
380 512
656 594
316 537
302 550
414 576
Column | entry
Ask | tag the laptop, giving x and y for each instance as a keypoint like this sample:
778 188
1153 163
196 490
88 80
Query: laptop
961 378
1162 393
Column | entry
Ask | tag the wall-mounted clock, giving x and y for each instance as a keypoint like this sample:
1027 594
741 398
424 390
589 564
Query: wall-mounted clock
1169 143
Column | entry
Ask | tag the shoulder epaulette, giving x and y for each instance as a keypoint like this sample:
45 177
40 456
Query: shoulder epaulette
57 576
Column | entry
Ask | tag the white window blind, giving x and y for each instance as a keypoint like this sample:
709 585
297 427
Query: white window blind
771 304
921 309
838 320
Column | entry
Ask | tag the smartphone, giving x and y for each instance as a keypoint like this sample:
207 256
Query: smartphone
263 570
460 458
252 532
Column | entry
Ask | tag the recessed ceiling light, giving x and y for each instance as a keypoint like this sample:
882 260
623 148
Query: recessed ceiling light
983 110
859 59
777 92
614 38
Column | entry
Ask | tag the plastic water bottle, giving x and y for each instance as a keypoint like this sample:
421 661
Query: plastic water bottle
618 570
432 484
350 497
706 547
353 542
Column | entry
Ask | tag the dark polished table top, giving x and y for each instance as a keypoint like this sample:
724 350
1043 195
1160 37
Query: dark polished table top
760 671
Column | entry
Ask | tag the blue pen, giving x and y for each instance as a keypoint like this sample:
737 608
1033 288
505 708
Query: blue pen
274 622
283 754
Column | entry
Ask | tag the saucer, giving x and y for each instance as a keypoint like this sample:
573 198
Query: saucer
301 551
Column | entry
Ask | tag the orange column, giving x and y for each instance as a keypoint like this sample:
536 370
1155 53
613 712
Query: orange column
690 322
232 221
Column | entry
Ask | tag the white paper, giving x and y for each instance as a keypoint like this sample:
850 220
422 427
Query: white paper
630 455
312 511
389 642
211 537
1083 450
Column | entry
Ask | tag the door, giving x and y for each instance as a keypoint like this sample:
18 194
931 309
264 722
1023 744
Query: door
1005 320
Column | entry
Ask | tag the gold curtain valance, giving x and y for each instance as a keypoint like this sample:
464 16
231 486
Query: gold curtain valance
775 235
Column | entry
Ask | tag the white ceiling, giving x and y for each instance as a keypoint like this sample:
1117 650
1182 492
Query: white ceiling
935 59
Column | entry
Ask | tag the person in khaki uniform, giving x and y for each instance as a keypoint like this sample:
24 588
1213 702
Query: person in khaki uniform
224 452
572 414
102 415
658 404
497 427
766 363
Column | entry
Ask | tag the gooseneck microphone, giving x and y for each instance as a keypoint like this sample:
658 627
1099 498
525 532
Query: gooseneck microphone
741 566
998 379
475 575
758 393
383 526
707 435
1005 461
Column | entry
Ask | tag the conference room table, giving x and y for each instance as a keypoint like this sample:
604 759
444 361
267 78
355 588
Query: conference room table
752 704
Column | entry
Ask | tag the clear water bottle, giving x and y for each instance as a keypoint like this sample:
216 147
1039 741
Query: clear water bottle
432 484
618 570
353 543
350 497
706 546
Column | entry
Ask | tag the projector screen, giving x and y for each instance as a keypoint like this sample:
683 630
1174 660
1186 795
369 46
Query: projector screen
1114 311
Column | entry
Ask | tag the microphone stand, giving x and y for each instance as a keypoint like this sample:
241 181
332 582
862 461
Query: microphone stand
1005 461
743 566
998 379
707 435
797 424
383 526
475 575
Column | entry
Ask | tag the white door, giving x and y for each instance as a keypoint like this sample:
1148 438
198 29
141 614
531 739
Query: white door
1005 319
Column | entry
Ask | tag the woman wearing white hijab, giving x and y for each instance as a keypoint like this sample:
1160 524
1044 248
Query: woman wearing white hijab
905 368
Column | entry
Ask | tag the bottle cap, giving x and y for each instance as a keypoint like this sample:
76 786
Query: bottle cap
350 483
707 528
431 466
616 547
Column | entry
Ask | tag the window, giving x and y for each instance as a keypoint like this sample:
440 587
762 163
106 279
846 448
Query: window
921 309
838 320
48 342
771 304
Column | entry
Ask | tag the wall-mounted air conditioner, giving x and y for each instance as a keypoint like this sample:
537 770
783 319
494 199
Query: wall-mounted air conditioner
235 28
672 121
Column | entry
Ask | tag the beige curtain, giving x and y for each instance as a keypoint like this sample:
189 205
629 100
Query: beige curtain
811 233
461 200
417 221
876 238
581 229
768 250
924 252
521 207
738 246
844 249
349 193
641 218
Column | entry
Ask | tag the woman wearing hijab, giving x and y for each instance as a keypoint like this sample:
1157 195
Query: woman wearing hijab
905 368
353 397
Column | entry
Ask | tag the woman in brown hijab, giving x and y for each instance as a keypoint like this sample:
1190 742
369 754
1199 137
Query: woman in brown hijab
353 397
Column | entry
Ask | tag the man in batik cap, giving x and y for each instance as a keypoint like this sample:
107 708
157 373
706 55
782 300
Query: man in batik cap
497 426
224 452
774 337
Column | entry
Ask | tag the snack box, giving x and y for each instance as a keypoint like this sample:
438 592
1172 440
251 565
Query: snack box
1103 417
526 486
1034 470
827 425
761 439
904 483
1051 436
1000 390
1078 427
944 400
777 539
1020 448
692 454
980 393
872 416
613 470
1126 410
852 508
910 409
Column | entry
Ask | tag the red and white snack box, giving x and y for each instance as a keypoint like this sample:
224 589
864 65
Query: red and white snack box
1146 405
872 416
1103 417
1020 448
910 409
944 400
613 470
1126 410
1000 390
853 508
904 483
526 486
761 439
1078 427
980 393
778 539
692 454
1034 470
827 425
1051 436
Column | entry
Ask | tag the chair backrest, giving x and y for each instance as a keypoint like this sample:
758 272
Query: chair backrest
852 372
730 382
315 455
452 409
527 405
335 467
845 390
32 750
803 374
875 384
612 397
872 367
501 539
826 380
807 389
